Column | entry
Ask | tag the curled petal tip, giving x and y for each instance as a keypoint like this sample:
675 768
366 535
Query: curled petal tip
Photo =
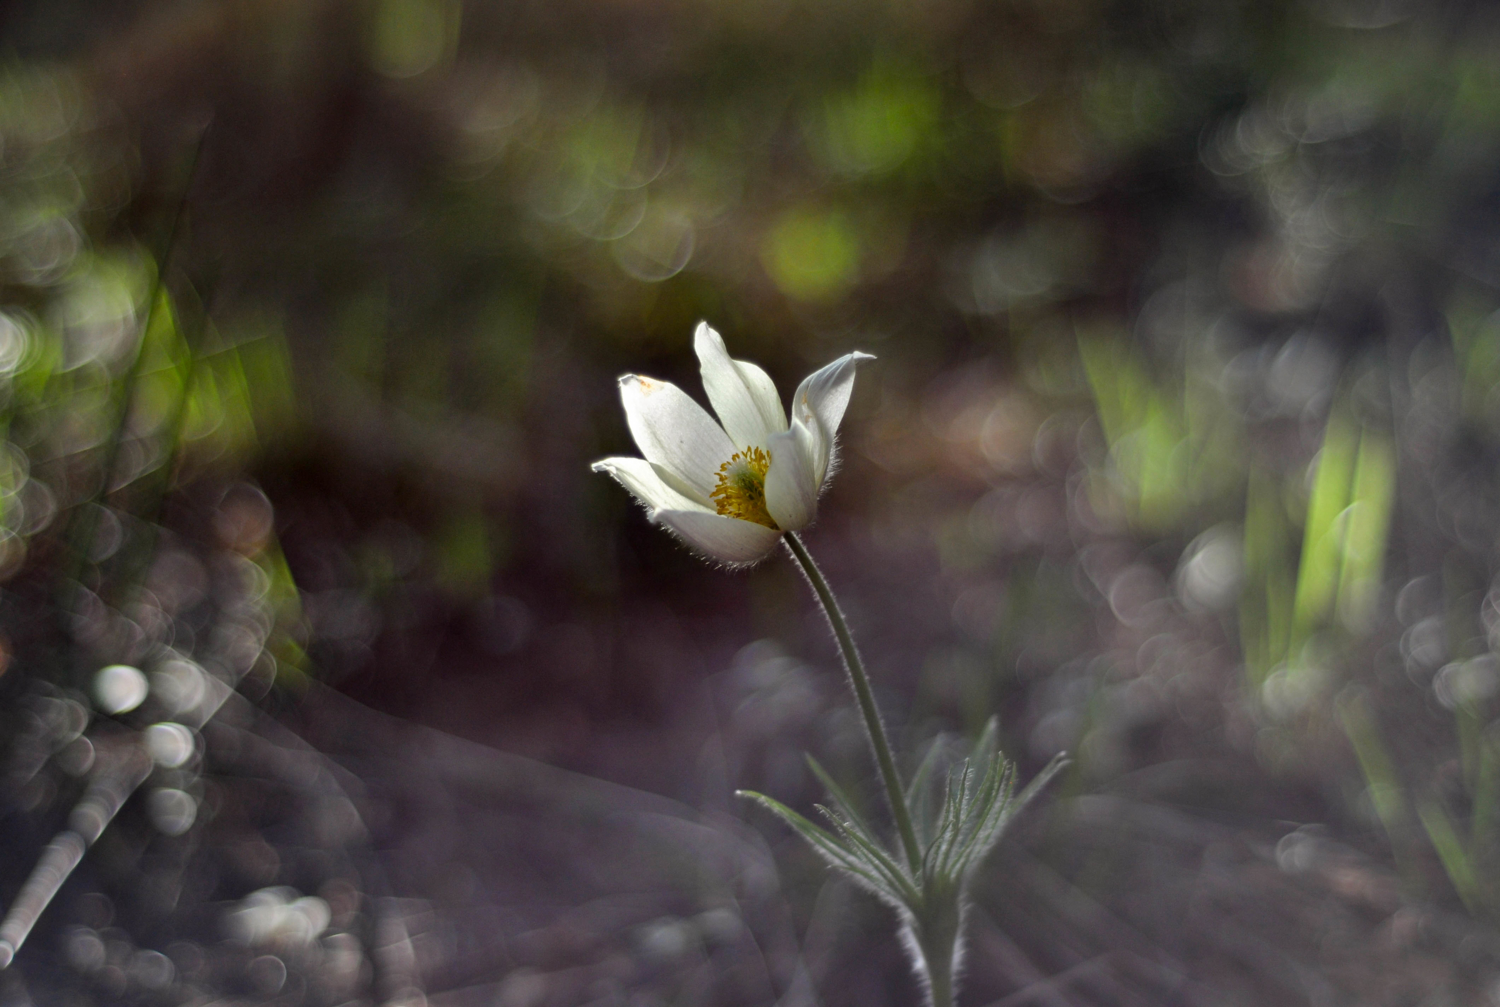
643 384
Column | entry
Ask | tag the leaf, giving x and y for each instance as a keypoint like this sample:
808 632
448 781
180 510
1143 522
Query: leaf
845 805
984 747
950 822
925 767
983 814
917 792
857 831
975 817
828 847
1059 762
994 812
877 858
1451 853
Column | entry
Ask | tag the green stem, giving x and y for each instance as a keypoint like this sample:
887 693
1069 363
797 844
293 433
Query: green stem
860 682
936 937
940 978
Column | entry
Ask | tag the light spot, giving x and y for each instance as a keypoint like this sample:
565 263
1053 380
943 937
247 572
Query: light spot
172 811
84 949
666 938
267 973
1208 579
277 916
119 688
170 745
179 684
15 340
76 758
152 969
1467 683
658 248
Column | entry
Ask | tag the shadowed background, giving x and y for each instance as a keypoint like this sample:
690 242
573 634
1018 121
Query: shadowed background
1179 454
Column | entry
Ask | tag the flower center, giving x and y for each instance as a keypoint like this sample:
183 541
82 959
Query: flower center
741 491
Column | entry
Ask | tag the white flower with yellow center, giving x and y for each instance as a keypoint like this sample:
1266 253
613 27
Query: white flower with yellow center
730 491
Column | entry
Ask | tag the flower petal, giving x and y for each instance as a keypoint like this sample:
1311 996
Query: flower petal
791 481
742 394
823 396
645 483
675 432
726 539
681 485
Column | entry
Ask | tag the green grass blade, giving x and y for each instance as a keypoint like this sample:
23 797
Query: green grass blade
1323 541
1366 527
1386 792
1487 780
1451 852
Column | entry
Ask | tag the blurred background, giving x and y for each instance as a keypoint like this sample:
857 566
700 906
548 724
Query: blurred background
329 674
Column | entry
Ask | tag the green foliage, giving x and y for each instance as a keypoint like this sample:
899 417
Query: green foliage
975 803
1172 447
410 37
876 126
813 254
465 553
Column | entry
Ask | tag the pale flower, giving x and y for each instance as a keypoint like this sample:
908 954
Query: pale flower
729 491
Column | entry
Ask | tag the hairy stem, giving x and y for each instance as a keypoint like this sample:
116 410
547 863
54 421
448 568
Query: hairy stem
940 978
860 682
933 942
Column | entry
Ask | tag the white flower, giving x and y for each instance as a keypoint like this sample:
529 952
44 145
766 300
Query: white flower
730 491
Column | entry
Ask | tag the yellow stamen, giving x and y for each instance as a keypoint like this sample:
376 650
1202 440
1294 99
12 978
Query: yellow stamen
741 491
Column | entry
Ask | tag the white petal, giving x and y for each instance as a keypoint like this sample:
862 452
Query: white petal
675 432
822 446
820 403
645 483
726 539
680 485
791 481
742 394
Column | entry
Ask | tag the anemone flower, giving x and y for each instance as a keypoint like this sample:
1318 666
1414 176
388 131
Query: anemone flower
731 489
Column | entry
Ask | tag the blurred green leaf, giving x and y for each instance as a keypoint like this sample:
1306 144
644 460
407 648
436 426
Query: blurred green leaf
410 37
813 254
1367 522
1323 530
877 125
1450 851
1382 784
465 553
